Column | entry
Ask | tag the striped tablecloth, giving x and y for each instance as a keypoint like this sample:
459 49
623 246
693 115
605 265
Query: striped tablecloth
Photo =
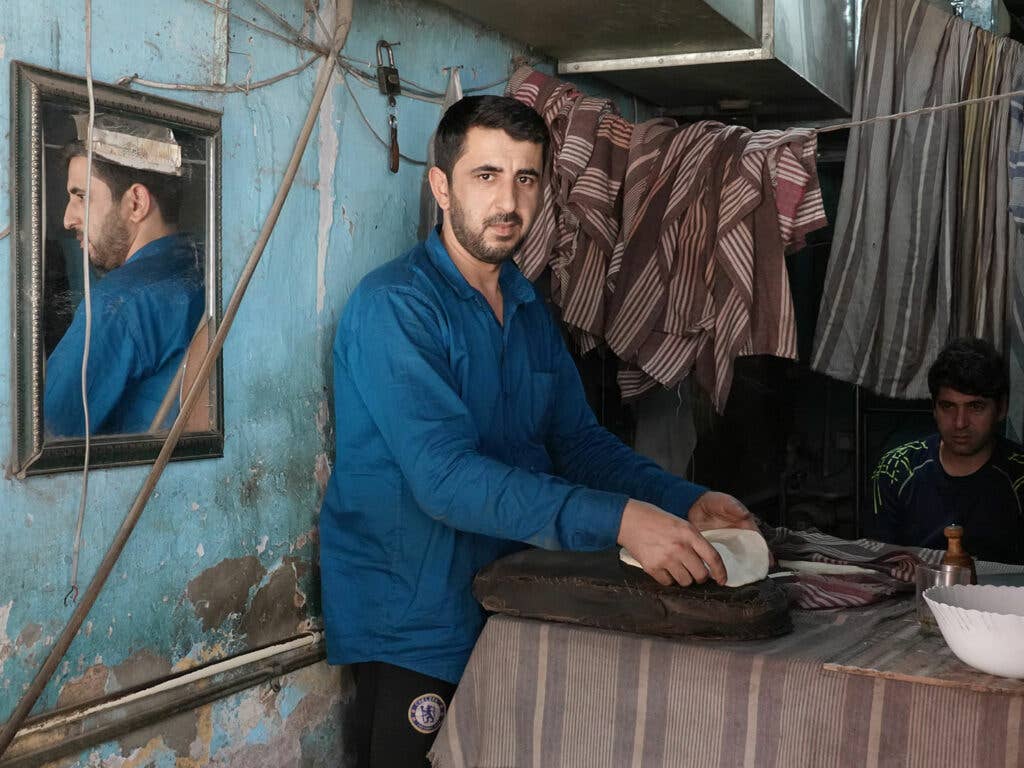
543 695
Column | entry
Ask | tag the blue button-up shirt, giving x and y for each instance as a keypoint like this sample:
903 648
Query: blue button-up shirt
459 440
144 314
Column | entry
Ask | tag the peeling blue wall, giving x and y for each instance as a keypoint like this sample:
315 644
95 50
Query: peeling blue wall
292 723
221 560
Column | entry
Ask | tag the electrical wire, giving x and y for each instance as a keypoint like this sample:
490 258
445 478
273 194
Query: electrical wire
242 87
417 88
417 92
475 89
5 232
370 81
421 93
422 90
298 43
411 89
298 39
311 8
282 21
479 88
354 60
72 593
921 111
369 125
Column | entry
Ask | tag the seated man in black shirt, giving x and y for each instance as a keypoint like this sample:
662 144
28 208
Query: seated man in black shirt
967 473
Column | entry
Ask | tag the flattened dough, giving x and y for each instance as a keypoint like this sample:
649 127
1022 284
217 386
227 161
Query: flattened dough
744 553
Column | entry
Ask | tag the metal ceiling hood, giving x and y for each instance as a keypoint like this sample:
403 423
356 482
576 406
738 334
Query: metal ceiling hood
783 56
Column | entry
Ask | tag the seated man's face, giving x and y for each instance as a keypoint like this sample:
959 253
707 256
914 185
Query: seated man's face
967 423
109 238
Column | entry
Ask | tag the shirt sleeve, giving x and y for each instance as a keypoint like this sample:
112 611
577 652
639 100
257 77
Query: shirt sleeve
585 452
111 362
396 354
890 511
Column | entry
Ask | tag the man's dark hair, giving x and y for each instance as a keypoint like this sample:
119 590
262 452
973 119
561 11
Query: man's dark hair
165 189
971 366
513 117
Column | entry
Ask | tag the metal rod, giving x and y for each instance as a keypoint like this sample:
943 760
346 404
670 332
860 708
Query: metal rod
858 462
172 682
343 22
69 732
661 60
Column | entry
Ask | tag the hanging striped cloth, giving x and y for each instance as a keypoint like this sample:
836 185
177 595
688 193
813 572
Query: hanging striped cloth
650 233
923 248
1015 291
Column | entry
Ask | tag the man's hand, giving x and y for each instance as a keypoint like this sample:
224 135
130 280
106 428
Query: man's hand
720 510
669 548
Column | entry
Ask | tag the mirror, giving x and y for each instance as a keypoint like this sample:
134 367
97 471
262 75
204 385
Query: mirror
153 273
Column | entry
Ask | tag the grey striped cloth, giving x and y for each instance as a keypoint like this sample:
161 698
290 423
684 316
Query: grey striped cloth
923 245
1015 302
539 695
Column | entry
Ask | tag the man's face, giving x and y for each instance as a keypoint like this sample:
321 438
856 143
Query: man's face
109 237
494 193
967 423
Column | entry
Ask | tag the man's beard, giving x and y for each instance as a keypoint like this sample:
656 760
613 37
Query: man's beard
972 446
473 241
110 248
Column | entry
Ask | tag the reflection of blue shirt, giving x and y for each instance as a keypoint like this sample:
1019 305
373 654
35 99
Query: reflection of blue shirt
144 314
457 439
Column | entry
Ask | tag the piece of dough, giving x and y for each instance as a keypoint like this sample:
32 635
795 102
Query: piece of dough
744 554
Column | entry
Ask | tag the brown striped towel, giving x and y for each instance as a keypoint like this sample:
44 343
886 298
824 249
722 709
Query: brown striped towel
894 568
896 561
811 591
667 242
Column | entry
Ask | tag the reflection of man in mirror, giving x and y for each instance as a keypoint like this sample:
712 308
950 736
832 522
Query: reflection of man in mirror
150 299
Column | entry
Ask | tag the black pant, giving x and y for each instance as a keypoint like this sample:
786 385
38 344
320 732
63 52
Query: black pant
395 715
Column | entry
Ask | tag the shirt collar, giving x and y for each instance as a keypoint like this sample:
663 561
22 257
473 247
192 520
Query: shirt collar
516 288
160 245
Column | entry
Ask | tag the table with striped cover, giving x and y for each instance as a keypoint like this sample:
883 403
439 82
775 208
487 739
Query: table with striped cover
541 694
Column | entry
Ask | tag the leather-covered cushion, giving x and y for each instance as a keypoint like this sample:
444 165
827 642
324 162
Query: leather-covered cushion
597 590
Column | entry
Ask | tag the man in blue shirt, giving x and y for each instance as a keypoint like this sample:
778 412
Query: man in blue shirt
145 309
966 474
463 435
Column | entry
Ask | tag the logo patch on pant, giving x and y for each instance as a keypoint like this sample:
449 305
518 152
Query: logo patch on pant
426 713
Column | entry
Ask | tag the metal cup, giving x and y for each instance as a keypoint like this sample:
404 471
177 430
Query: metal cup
926 576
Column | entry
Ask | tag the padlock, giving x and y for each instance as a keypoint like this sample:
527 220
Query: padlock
387 74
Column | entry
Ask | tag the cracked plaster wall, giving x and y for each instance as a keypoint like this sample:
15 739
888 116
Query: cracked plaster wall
223 558
269 726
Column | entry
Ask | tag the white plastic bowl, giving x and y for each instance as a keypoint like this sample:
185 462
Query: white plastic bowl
982 625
